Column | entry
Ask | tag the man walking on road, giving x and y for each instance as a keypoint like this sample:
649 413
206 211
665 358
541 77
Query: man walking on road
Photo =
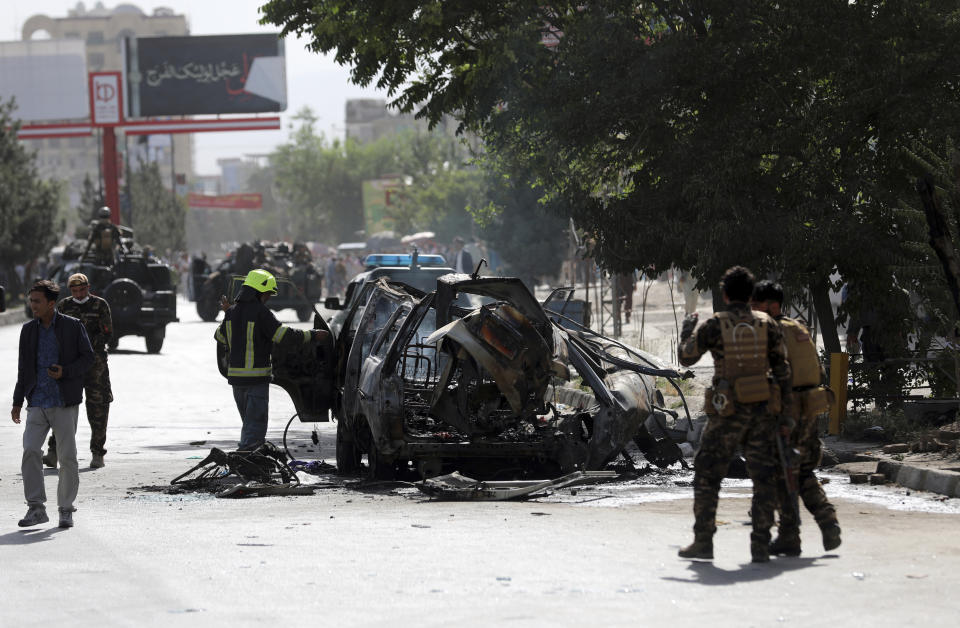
245 338
94 313
811 399
54 355
742 405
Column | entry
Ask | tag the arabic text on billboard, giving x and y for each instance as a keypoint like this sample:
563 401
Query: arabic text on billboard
210 74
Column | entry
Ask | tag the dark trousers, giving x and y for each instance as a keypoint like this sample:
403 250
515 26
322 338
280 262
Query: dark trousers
752 427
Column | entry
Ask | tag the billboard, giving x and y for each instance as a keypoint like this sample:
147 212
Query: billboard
48 78
226 201
212 74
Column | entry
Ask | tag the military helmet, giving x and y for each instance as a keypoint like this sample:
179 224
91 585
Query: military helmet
261 281
103 212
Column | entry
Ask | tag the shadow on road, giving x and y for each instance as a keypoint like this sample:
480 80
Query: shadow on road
33 535
198 446
709 574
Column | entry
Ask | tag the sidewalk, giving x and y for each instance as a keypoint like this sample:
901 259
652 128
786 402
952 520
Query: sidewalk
13 316
934 472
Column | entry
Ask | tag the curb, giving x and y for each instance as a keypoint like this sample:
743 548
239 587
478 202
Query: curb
13 316
921 479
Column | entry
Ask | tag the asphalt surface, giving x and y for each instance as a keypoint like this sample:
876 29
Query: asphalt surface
354 555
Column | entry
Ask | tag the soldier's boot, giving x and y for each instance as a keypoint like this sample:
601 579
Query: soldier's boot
702 547
831 535
787 543
50 458
96 461
759 552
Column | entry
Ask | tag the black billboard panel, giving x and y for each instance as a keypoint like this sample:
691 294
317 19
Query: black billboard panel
170 76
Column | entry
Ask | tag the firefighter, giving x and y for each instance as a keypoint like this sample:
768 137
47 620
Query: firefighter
811 398
751 378
94 313
104 239
245 339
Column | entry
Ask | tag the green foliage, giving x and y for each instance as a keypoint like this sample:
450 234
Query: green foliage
159 217
28 205
90 201
693 134
320 183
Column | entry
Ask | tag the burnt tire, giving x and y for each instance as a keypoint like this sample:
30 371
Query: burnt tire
155 338
348 453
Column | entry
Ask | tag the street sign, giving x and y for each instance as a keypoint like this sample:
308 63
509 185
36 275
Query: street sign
226 201
106 99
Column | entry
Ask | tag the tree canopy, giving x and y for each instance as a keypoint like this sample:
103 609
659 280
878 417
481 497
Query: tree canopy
28 205
696 134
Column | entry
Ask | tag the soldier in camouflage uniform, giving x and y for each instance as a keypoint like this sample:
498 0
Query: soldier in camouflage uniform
94 313
811 399
742 405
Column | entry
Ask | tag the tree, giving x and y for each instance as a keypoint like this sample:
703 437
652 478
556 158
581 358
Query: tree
28 205
159 216
530 238
319 183
695 134
90 201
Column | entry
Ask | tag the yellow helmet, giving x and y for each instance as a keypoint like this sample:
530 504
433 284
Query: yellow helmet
261 281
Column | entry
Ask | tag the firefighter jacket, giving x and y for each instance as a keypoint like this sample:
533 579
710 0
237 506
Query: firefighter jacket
247 333
94 313
755 348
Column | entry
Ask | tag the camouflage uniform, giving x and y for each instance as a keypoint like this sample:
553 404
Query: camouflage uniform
104 241
806 440
749 424
94 313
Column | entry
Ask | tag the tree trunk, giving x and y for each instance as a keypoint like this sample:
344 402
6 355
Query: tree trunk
828 324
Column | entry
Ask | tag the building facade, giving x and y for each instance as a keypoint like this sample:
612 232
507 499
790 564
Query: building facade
104 30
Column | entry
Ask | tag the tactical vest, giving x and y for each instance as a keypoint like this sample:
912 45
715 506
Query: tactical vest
744 347
106 240
802 353
745 365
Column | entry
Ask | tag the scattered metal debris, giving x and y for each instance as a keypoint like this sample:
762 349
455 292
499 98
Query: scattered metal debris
263 471
456 487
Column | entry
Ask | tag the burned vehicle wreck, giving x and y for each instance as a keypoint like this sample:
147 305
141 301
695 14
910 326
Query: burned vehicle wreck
431 386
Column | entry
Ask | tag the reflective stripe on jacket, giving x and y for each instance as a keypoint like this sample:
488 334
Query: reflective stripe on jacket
248 331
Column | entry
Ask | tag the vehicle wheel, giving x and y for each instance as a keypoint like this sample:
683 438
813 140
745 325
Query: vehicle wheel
207 308
380 468
303 314
155 338
348 453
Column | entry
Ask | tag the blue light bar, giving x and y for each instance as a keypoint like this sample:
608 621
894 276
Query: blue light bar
375 260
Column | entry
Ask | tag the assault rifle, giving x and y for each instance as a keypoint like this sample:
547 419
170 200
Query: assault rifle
789 462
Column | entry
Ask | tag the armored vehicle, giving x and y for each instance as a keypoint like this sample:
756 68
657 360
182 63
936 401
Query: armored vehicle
138 287
299 281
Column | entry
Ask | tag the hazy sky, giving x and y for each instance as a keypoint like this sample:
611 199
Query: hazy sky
312 79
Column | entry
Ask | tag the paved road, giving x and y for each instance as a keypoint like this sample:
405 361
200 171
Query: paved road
605 556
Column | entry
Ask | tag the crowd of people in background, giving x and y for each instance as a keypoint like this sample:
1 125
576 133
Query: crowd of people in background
336 266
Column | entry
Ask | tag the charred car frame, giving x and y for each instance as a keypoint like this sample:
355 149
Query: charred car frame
430 385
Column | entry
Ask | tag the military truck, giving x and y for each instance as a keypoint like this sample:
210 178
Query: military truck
138 287
299 281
